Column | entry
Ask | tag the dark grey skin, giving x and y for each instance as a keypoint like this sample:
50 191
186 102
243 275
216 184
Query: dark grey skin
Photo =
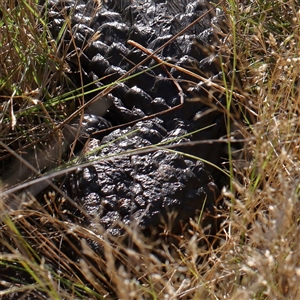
145 189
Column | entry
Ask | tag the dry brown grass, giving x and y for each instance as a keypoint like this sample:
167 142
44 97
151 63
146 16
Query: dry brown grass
259 252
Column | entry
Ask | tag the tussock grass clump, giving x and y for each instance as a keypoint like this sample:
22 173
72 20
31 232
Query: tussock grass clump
262 257
258 255
32 80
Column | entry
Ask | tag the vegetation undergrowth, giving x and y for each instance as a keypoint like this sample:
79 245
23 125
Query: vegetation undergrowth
258 256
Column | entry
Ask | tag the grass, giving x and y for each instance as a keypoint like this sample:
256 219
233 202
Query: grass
258 256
